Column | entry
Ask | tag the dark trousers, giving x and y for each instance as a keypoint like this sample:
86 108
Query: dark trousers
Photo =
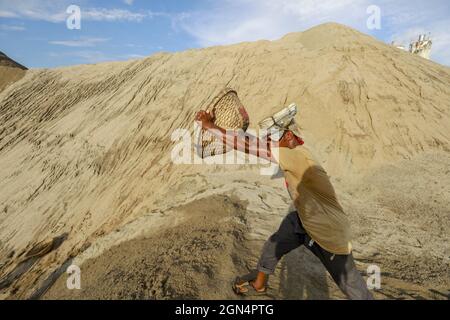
291 235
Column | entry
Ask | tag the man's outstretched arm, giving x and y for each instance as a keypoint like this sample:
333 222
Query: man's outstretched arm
245 143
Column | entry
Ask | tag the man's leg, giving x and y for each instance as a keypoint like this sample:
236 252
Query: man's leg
343 270
289 236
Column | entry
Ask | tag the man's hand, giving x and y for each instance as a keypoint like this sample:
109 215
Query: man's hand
206 118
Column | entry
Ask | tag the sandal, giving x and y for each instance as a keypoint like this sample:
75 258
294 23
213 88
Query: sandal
243 285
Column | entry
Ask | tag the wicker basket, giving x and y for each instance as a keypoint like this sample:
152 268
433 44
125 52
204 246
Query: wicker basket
229 114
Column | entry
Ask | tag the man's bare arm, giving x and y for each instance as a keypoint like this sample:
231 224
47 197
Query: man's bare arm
244 143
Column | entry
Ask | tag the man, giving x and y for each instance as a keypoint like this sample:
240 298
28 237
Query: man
319 222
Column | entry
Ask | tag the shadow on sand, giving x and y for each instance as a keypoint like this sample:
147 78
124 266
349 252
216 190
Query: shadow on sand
303 277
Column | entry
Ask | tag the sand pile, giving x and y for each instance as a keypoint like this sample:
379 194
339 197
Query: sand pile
85 158
10 71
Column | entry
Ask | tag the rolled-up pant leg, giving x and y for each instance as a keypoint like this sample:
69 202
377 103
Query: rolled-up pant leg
343 270
289 236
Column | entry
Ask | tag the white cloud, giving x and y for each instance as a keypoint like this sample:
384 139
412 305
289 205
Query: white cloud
102 14
232 21
245 20
424 18
52 11
7 14
128 2
82 42
440 37
55 11
5 27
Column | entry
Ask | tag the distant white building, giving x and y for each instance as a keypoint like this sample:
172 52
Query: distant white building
421 47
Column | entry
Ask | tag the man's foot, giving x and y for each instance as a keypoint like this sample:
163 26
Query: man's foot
252 283
246 288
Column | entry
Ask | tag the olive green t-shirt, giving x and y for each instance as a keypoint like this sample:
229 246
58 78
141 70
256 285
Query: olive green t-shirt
315 199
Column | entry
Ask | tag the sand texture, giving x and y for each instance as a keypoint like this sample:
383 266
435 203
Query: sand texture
86 175
10 71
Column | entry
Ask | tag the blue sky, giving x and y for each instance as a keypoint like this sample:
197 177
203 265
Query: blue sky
34 32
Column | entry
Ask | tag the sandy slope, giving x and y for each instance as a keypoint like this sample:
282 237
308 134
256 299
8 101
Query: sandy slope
10 71
85 157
